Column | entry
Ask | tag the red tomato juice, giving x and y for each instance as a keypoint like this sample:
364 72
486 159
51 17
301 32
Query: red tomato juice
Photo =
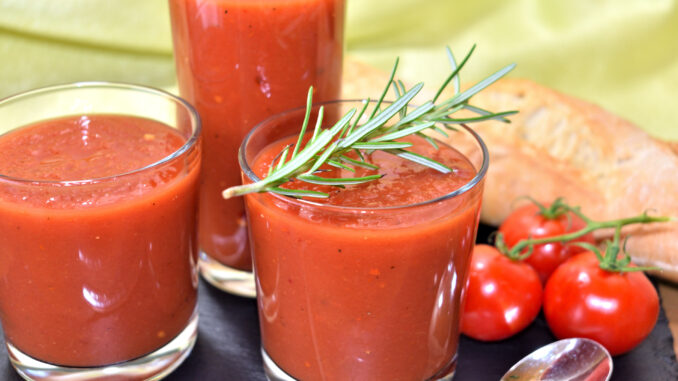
368 284
100 271
239 62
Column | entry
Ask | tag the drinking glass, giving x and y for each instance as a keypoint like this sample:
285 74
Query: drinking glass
238 62
369 293
98 275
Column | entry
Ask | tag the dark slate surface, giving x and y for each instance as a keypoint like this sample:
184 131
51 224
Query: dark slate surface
228 347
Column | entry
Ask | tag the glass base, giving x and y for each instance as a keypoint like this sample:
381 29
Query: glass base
447 373
274 373
153 366
231 280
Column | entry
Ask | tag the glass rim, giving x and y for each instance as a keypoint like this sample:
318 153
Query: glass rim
247 170
111 85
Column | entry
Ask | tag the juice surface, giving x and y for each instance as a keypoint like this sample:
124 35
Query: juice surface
85 147
366 294
98 272
403 183
239 62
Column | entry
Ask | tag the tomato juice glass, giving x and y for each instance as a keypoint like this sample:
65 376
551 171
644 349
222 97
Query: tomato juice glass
238 62
98 246
360 293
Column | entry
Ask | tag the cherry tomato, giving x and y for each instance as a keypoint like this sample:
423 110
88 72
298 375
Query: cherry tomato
527 222
615 309
503 296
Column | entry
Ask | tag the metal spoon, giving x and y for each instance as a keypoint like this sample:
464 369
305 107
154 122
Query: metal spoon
575 359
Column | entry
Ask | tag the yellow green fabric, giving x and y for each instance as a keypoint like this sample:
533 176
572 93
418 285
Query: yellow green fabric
622 55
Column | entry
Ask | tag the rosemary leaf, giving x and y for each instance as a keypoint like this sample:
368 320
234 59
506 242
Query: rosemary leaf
419 159
475 89
283 157
414 114
441 131
381 145
429 140
358 163
360 154
366 102
304 125
338 164
497 116
381 118
445 109
453 63
399 88
388 85
480 111
323 157
404 132
313 179
298 193
455 73
402 86
396 89
318 124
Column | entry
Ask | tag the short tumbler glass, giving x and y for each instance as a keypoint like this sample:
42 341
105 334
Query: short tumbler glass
360 293
98 276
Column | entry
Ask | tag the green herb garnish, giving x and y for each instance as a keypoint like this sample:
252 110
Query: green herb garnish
330 146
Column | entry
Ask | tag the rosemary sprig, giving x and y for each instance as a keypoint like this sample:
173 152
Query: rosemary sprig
379 132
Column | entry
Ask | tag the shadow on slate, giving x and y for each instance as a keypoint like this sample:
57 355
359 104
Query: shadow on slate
652 360
228 346
228 340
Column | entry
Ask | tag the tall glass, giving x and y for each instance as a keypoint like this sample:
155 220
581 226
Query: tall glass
348 293
238 62
98 275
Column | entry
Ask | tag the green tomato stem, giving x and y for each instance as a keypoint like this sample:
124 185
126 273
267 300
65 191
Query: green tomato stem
591 225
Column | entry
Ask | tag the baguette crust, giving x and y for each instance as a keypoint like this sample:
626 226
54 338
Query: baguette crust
674 147
560 146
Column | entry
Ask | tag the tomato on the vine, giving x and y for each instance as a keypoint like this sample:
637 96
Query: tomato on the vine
535 221
503 296
617 309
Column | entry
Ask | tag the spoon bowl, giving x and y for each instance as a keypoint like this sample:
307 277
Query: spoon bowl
576 359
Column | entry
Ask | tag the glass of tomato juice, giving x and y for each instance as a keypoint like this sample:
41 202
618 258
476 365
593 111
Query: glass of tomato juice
98 203
365 285
239 62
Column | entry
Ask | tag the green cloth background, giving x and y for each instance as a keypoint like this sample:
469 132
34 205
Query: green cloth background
621 54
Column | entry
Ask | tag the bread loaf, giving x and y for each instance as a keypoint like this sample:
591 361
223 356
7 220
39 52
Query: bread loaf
560 146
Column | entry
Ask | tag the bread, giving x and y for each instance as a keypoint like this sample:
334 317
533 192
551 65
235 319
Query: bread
560 146
674 147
